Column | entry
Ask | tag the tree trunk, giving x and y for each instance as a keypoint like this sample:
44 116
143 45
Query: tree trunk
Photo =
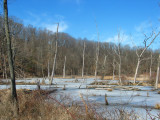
55 56
54 64
157 77
10 57
83 61
96 68
5 67
97 55
113 70
136 72
64 68
48 70
103 68
150 73
120 81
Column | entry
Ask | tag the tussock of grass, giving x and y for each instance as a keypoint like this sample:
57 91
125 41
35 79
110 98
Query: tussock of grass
109 89
157 106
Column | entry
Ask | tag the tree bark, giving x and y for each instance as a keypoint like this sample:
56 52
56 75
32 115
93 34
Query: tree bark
113 70
54 64
64 68
97 57
97 53
120 81
55 56
10 58
135 76
150 73
83 61
103 68
48 70
157 77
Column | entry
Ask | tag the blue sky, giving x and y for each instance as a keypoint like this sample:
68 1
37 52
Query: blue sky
77 17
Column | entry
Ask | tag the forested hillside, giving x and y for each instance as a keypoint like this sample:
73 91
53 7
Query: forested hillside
34 49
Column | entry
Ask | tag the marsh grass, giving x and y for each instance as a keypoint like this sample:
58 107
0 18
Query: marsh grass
35 105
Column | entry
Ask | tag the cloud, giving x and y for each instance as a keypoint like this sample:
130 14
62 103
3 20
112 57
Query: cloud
53 27
49 22
123 38
144 26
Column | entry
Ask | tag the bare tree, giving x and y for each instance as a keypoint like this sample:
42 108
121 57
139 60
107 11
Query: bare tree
118 53
48 70
64 68
157 77
103 67
10 57
114 66
97 53
140 55
83 61
150 70
55 56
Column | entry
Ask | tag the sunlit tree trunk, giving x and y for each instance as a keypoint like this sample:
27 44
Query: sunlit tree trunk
64 68
55 57
150 70
97 57
97 53
103 68
83 61
54 64
113 69
157 77
48 69
136 72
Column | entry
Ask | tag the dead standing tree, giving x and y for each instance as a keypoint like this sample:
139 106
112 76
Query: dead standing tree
83 60
10 57
119 62
64 68
103 67
114 66
140 55
150 69
97 53
55 56
157 77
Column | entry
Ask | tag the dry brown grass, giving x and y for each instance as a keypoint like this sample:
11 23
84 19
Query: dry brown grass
36 105
109 89
157 106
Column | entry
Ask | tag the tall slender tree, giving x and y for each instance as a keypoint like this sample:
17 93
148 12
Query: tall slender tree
97 52
157 77
10 56
55 56
64 68
83 61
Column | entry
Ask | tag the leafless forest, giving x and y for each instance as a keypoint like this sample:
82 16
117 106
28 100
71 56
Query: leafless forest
33 49
46 75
